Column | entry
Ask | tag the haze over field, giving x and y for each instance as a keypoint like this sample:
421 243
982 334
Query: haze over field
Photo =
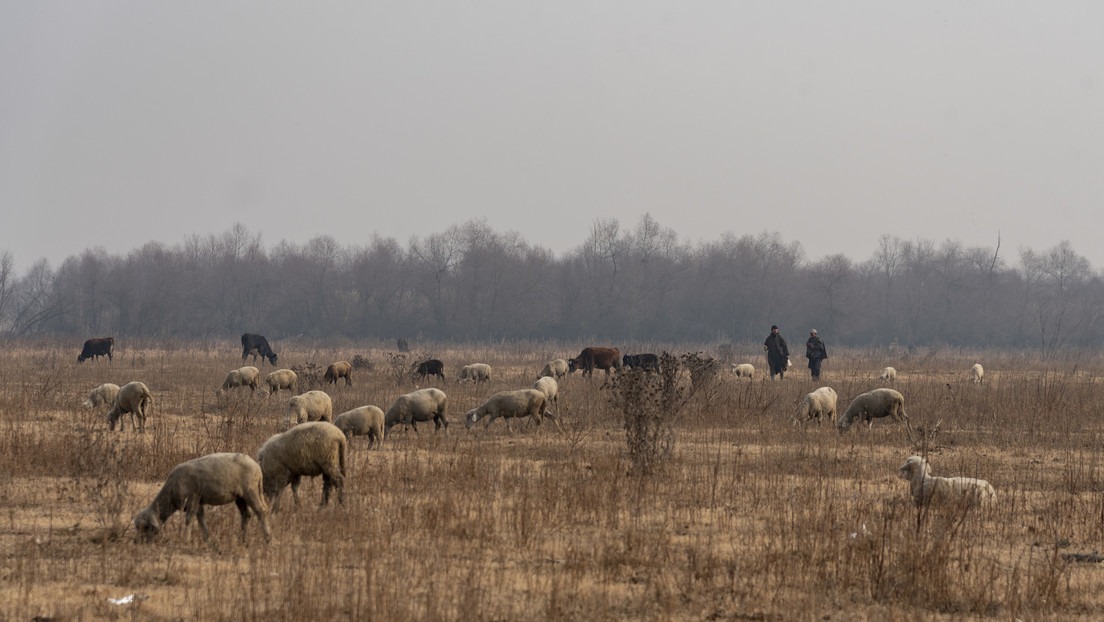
831 123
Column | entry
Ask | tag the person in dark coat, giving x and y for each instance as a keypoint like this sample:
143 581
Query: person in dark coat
778 353
816 353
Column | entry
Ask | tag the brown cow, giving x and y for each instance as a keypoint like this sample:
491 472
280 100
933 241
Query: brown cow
596 358
340 369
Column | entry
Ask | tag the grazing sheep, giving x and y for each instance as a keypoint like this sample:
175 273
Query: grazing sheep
363 421
311 449
420 405
510 404
871 405
888 375
554 369
476 372
549 387
817 404
925 488
241 377
282 379
744 370
101 395
977 372
340 369
310 406
214 479
134 398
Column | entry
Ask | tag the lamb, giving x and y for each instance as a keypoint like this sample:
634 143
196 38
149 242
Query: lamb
554 369
310 406
241 377
549 387
340 369
134 398
311 449
476 372
101 395
888 375
743 370
817 404
214 479
510 404
871 405
366 420
925 488
977 372
282 379
420 405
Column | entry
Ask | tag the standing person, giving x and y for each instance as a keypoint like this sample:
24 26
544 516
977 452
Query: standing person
815 352
778 353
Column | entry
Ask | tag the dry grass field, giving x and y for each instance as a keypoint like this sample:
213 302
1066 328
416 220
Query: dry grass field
749 518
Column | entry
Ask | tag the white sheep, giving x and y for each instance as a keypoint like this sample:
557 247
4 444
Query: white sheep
101 395
134 398
888 375
311 449
476 372
511 404
926 488
420 405
362 421
340 369
214 479
874 404
816 405
241 377
550 388
309 406
744 370
977 372
557 369
282 379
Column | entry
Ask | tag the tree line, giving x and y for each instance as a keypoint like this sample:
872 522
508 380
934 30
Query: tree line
639 283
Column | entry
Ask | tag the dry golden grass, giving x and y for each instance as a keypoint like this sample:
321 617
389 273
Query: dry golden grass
751 518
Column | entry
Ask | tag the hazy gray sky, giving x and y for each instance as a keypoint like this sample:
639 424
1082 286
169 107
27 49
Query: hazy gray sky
829 122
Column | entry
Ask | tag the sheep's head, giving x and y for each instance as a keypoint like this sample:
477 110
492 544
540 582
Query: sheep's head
915 465
471 417
148 525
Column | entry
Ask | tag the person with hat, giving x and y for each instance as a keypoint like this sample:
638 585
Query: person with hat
778 353
815 352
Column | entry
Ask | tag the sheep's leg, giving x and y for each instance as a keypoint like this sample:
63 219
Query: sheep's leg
295 489
330 482
258 509
554 419
243 509
202 523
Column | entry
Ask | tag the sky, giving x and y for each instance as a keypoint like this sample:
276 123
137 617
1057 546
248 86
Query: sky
831 123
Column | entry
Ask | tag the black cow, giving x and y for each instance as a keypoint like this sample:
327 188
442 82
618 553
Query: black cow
595 358
647 362
257 344
100 346
432 367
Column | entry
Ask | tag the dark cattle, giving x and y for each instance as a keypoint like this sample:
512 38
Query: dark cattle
257 344
101 346
596 358
647 362
432 367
